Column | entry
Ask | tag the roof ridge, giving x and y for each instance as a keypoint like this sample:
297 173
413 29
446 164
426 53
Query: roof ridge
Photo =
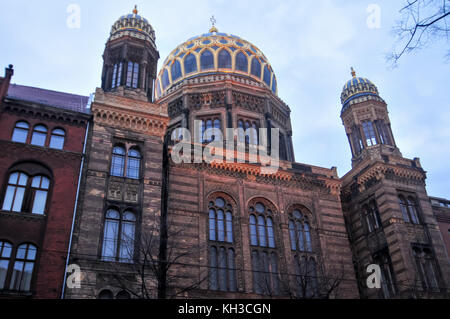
54 91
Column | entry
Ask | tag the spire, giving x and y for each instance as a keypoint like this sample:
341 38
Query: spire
135 11
213 22
353 72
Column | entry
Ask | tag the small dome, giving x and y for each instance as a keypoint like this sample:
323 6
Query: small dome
133 25
215 53
357 87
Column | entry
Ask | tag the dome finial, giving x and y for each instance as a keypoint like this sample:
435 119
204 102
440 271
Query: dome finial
213 22
135 11
353 72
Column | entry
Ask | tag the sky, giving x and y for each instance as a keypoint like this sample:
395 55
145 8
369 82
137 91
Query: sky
311 46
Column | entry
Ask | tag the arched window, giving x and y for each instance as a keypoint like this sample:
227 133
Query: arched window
117 75
207 60
426 267
133 164
369 132
118 161
409 209
274 85
220 221
57 139
15 192
241 131
222 275
176 70
132 74
224 59
383 131
256 67
165 79
267 75
106 294
23 268
261 217
190 64
5 257
372 216
300 232
254 140
241 62
119 236
39 135
20 133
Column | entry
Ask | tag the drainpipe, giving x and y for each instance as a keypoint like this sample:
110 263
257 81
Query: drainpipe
75 210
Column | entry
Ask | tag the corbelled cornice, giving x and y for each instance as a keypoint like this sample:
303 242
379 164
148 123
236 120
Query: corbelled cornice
114 110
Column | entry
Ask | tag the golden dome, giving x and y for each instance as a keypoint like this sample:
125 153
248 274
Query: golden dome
215 53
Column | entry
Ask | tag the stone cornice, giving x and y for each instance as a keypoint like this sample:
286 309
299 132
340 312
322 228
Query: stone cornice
114 110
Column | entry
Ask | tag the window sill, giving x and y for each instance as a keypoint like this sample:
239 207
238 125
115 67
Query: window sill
22 215
15 294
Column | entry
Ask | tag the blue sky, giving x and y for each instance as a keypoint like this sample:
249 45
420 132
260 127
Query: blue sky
310 44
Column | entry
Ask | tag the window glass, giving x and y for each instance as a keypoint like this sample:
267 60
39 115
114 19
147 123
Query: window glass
241 62
57 139
5 255
256 67
134 164
118 162
253 232
267 75
20 132
207 60
165 79
224 59
110 236
213 284
212 224
15 192
176 70
190 64
23 268
127 237
39 135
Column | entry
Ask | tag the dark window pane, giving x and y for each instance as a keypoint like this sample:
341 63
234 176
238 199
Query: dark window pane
267 75
241 62
207 60
213 283
256 67
224 59
190 64
165 79
176 70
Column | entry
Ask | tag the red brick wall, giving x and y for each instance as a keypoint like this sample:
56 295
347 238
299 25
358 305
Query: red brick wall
50 233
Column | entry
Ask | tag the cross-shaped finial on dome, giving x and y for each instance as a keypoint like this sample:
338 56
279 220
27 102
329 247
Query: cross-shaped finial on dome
213 22
135 11
353 72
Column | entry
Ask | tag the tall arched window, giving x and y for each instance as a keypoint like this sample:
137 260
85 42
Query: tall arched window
426 267
117 75
165 79
133 164
256 67
263 244
132 74
267 75
119 236
176 70
106 294
23 268
372 216
39 135
57 139
20 133
207 60
300 232
369 132
118 161
5 257
409 209
241 62
224 59
190 64
222 274
274 85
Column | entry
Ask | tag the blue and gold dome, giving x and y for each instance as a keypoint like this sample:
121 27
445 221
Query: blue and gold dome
133 25
357 87
214 53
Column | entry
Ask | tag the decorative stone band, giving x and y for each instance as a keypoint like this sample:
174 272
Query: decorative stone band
143 117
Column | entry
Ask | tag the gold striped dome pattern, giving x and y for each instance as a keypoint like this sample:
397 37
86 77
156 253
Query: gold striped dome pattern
214 53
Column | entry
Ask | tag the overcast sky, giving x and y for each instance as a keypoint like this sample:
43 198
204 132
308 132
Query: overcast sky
311 46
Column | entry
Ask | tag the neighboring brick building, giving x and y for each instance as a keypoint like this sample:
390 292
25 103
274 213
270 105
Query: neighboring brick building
441 210
42 135
148 225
